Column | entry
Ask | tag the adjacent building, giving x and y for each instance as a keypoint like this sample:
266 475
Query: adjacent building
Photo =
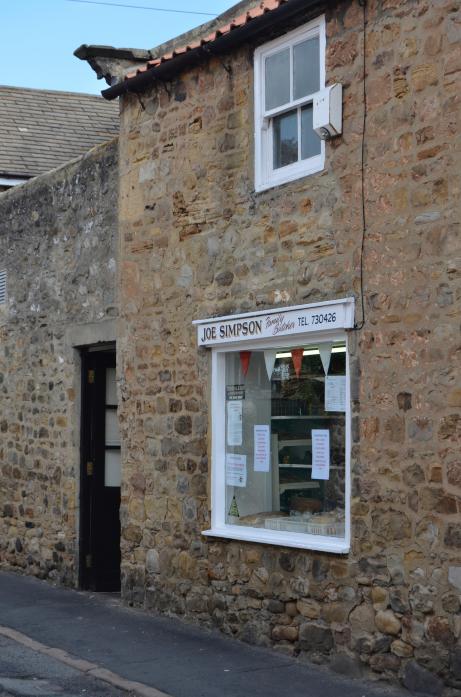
42 129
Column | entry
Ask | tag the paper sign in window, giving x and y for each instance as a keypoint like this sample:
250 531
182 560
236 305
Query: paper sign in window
335 393
236 470
261 448
234 423
320 453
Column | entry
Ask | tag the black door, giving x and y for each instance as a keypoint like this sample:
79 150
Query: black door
100 473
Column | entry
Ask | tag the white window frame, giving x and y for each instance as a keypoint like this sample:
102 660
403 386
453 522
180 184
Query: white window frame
219 527
265 174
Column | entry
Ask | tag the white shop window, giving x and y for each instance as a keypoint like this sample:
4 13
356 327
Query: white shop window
281 426
288 73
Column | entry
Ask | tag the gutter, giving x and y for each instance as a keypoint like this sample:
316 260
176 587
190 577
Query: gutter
225 43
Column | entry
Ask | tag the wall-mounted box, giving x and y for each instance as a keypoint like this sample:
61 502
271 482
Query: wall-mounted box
327 117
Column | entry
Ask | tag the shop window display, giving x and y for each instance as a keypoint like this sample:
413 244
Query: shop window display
285 439
280 425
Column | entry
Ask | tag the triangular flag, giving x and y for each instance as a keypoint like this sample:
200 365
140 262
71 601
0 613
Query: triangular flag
325 355
269 359
297 357
245 361
234 510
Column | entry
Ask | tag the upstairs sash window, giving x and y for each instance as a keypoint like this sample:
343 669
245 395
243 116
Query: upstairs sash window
288 73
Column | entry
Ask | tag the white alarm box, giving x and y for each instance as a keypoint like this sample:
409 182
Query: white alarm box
328 112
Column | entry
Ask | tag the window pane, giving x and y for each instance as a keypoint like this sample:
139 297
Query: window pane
111 386
278 79
112 468
310 142
306 68
112 432
285 139
285 441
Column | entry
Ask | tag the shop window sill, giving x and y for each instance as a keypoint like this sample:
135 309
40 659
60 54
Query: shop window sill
317 543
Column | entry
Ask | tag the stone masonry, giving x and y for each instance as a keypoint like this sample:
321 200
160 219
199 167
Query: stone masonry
58 236
196 241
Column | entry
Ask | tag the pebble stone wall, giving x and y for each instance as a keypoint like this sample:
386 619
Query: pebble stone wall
196 241
58 237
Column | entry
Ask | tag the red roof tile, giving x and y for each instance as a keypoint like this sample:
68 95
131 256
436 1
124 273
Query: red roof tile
264 7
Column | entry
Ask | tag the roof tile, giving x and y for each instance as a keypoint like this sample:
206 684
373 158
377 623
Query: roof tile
41 129
263 8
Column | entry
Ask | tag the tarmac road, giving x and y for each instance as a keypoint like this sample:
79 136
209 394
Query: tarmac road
28 673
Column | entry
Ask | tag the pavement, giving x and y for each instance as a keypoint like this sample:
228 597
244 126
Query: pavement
152 656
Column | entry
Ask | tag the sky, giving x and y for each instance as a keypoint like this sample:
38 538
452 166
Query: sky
38 37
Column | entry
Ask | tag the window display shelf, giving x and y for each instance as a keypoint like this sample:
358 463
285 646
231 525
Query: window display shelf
294 442
307 417
294 486
296 464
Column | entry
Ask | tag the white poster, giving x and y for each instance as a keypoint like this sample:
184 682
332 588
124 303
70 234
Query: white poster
261 448
234 422
236 470
320 453
335 393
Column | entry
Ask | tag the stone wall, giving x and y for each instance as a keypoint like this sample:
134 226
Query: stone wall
58 242
197 241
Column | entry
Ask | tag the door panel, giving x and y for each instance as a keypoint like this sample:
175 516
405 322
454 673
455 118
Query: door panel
100 474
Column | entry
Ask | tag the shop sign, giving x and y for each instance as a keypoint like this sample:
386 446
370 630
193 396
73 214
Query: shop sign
335 314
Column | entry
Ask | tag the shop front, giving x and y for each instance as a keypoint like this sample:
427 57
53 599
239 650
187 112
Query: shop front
280 471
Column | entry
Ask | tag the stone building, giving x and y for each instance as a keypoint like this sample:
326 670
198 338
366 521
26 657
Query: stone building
290 462
58 237
58 259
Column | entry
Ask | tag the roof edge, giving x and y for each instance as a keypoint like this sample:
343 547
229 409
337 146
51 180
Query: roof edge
166 67
113 63
86 51
44 90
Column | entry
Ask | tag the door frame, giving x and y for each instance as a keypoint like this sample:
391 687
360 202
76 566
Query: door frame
85 502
